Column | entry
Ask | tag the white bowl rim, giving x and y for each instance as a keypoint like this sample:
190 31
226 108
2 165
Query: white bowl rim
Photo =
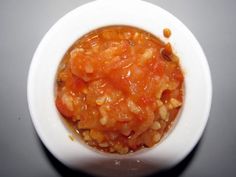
167 160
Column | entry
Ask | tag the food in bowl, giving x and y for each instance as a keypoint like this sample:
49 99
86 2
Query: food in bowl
120 88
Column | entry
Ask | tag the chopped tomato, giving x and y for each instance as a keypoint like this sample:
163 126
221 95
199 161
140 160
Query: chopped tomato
63 109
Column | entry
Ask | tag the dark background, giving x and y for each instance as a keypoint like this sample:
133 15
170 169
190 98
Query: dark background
22 25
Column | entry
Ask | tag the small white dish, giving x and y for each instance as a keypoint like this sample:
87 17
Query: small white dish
41 80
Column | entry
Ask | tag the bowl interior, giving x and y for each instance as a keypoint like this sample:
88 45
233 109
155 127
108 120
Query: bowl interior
80 21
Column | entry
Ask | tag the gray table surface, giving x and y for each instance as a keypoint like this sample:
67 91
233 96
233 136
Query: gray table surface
23 24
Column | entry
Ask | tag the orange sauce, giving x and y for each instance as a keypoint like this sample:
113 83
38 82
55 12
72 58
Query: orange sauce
120 87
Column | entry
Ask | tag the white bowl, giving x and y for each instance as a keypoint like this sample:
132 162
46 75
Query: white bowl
41 80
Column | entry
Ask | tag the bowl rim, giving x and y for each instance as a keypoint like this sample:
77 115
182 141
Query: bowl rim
32 75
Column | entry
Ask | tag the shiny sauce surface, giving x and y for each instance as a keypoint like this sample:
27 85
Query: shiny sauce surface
120 88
